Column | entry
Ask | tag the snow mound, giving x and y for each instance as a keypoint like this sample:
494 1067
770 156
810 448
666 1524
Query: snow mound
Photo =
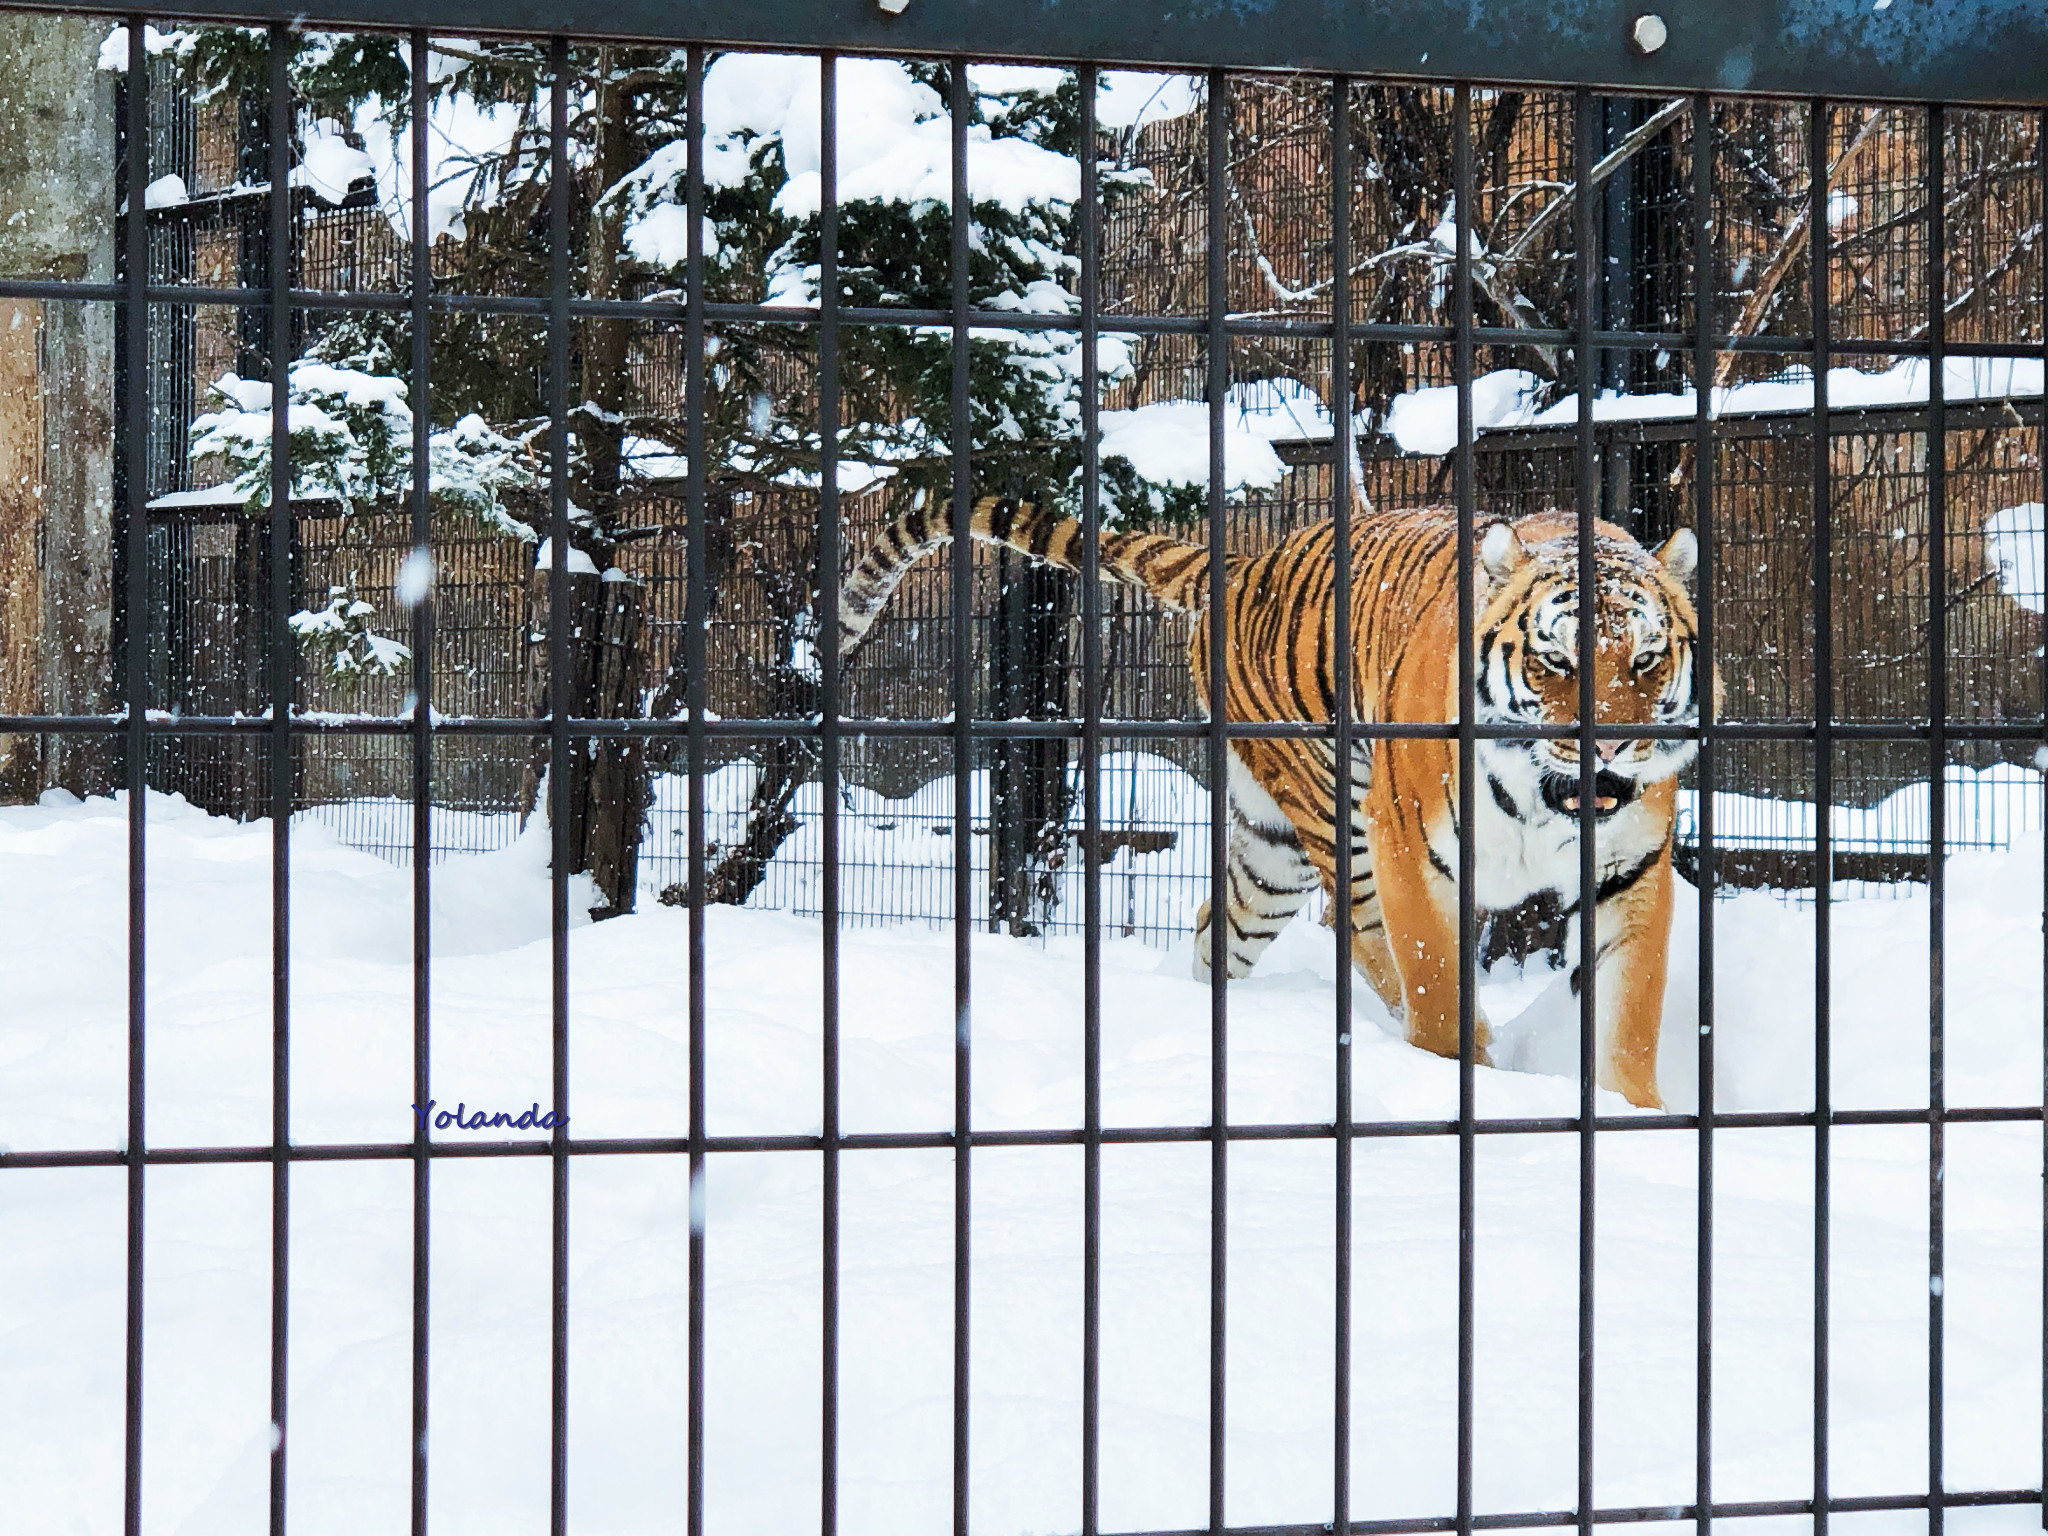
1168 443
63 892
1424 421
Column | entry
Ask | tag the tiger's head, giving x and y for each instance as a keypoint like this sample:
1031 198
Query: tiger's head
1644 668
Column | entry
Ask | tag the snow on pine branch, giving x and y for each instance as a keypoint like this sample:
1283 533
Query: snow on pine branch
762 115
349 423
894 138
476 150
343 635
761 239
350 430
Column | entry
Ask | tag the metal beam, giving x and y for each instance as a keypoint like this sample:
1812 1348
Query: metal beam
1992 51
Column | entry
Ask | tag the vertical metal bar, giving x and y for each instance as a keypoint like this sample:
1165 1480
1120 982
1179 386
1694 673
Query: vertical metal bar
1820 250
558 765
1587 268
694 590
135 744
1091 813
2041 459
283 688
960 105
1219 789
422 765
1462 493
1341 785
1703 591
828 799
1937 806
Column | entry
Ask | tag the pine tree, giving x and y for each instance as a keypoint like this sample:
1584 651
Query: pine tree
762 244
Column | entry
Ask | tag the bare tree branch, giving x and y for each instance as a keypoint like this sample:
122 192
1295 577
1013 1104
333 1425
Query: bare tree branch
1794 241
2021 249
1603 168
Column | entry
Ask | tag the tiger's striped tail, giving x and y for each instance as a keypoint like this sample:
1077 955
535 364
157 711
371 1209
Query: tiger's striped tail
1172 570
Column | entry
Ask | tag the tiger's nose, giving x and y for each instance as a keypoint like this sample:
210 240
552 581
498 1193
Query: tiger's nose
1607 749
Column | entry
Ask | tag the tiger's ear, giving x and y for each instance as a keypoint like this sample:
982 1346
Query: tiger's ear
1501 552
1680 554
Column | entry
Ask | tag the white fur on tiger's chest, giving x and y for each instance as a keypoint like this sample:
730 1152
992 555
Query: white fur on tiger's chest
1537 849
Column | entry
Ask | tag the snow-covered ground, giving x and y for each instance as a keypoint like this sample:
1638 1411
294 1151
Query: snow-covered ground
62 1033
896 856
1983 808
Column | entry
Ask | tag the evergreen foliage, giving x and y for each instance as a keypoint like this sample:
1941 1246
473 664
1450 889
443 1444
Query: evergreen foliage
762 241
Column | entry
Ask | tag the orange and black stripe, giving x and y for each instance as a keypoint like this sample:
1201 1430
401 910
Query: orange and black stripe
1172 570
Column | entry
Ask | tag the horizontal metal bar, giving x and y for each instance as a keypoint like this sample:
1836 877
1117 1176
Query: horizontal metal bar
1014 730
1988 51
62 290
667 311
910 1141
2002 730
1842 421
1877 347
393 300
1628 1515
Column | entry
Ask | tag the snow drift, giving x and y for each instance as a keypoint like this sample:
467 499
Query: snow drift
62 911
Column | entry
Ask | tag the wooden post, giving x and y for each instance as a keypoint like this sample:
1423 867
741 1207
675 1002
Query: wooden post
57 164
21 573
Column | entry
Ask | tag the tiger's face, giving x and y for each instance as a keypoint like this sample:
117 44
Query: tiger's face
1644 670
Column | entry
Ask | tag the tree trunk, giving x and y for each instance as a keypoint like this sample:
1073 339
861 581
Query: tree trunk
670 700
1029 800
602 341
786 765
57 169
607 776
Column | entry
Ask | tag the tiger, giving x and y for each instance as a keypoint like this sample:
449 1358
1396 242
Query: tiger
1402 820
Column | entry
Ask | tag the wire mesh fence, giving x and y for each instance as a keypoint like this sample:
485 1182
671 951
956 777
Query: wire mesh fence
1157 810
1278 206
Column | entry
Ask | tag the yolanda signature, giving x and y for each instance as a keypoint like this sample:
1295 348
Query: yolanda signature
533 1118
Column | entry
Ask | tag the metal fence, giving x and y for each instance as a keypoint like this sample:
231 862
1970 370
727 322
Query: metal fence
1278 192
1155 813
1813 724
